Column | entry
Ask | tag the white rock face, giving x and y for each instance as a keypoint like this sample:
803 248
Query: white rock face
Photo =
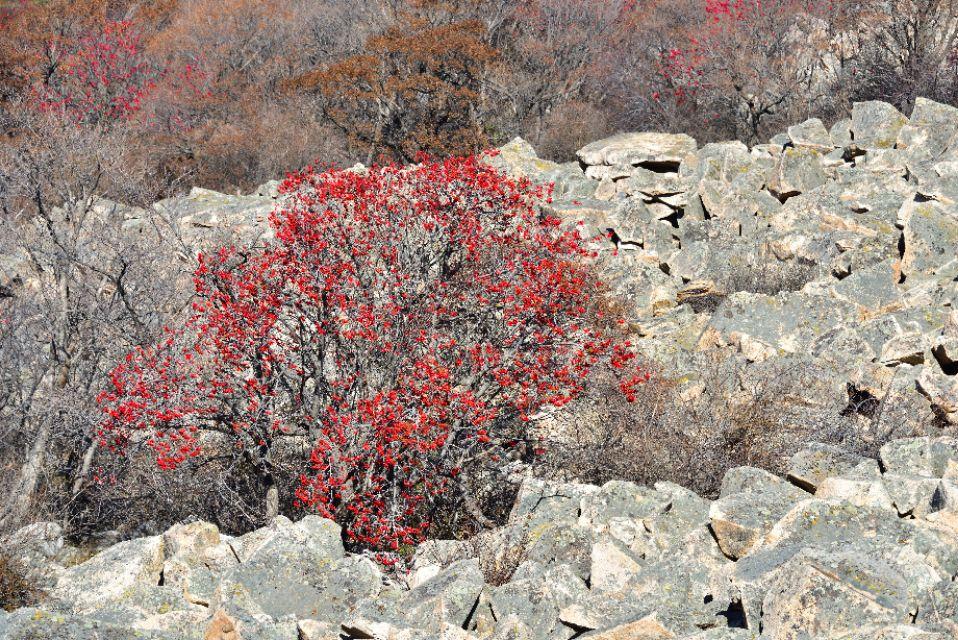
111 576
638 148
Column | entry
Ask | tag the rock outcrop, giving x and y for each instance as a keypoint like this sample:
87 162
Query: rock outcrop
830 249
852 548
833 249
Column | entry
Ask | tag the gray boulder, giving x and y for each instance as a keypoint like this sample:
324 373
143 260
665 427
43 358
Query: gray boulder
111 577
639 149
811 133
875 125
751 502
926 457
818 461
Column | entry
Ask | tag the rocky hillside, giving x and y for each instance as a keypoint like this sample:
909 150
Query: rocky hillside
826 250
827 258
832 251
847 547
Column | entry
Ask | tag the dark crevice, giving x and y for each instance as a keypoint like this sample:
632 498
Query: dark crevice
851 153
674 218
948 366
472 613
938 501
235 555
660 166
801 484
860 402
715 538
735 615
901 256
784 196
841 275
578 631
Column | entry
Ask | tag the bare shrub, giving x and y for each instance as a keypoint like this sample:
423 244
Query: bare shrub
761 276
133 497
89 279
769 277
499 557
692 433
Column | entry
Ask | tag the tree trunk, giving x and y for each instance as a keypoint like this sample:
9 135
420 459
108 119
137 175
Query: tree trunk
271 507
21 495
80 478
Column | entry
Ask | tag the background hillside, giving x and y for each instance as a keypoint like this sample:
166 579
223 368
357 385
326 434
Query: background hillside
240 92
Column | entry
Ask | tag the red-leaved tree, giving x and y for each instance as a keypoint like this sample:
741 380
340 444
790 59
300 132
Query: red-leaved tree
105 76
752 65
411 321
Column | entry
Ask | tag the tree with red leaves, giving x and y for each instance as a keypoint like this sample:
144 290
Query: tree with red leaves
412 322
104 78
749 66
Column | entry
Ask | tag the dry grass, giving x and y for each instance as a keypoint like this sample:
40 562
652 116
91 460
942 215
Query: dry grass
16 590
692 433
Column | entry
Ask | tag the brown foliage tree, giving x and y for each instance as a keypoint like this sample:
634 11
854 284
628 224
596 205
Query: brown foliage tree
417 87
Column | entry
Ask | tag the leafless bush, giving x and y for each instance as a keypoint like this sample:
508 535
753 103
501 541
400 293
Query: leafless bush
486 502
90 280
691 433
499 556
764 276
135 498
769 277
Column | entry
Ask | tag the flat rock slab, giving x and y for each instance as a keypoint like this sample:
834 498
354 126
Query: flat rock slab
926 456
638 149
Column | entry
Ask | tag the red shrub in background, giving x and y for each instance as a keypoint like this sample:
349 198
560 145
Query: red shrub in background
744 64
410 320
105 77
